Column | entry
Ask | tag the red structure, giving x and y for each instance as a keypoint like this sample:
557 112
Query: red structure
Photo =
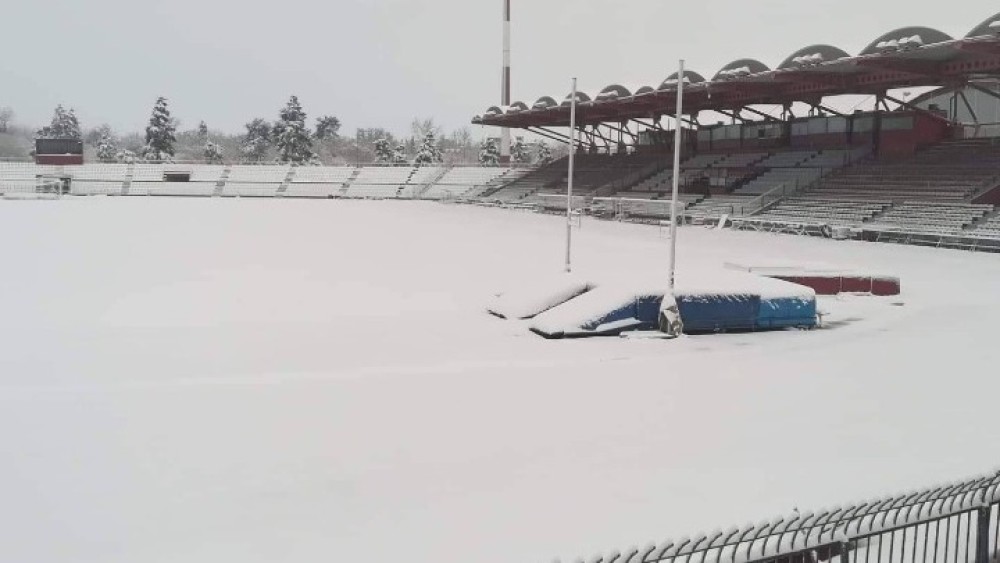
906 57
833 284
58 151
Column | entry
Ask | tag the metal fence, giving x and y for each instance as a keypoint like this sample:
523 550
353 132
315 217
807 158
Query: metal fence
956 523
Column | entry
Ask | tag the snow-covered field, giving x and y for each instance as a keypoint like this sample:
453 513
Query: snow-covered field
304 381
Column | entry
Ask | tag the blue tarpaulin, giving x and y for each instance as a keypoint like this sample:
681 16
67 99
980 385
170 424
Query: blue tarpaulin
700 313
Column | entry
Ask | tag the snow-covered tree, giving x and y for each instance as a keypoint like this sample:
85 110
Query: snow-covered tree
256 140
212 153
519 151
430 152
384 153
543 154
399 155
203 131
64 125
489 153
292 137
126 156
160 133
327 128
106 149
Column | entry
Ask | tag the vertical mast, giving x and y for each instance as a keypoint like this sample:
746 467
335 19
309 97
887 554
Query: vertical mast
505 83
670 321
677 176
569 180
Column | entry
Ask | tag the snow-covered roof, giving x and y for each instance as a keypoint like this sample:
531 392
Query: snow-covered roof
614 91
741 67
517 106
905 37
544 102
990 26
581 97
813 54
690 77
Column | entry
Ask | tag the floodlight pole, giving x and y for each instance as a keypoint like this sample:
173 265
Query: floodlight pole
569 179
505 85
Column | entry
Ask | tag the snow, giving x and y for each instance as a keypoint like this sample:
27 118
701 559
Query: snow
207 380
537 294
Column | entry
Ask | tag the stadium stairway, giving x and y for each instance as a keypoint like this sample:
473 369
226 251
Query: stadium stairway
221 184
510 176
419 191
528 184
347 185
283 188
127 184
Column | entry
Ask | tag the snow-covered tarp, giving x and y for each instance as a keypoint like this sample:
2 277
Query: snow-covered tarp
723 301
538 295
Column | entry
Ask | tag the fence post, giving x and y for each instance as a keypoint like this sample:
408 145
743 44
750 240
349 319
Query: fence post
983 534
845 552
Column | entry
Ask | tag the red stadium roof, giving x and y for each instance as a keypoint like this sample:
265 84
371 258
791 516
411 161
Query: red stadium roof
907 57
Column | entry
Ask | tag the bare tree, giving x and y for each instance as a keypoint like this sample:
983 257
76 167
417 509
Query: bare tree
421 127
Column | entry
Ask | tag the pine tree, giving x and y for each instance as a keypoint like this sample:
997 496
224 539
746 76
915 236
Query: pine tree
489 153
160 133
399 155
519 151
430 152
384 153
543 154
256 141
203 132
106 149
292 136
64 125
213 153
327 128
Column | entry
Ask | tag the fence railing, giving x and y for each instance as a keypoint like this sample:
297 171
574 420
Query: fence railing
955 523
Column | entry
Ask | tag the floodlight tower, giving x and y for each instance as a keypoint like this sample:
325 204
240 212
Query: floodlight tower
505 83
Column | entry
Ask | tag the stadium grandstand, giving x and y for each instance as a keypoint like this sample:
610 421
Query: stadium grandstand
924 171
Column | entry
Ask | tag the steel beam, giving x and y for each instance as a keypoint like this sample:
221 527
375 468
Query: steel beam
760 113
555 136
986 91
910 106
968 106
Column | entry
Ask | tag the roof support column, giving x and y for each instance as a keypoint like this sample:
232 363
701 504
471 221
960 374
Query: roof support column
877 123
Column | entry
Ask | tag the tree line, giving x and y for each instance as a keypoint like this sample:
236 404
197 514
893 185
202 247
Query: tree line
287 139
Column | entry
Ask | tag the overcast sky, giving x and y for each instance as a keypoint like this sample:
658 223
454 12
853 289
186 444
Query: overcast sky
380 63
